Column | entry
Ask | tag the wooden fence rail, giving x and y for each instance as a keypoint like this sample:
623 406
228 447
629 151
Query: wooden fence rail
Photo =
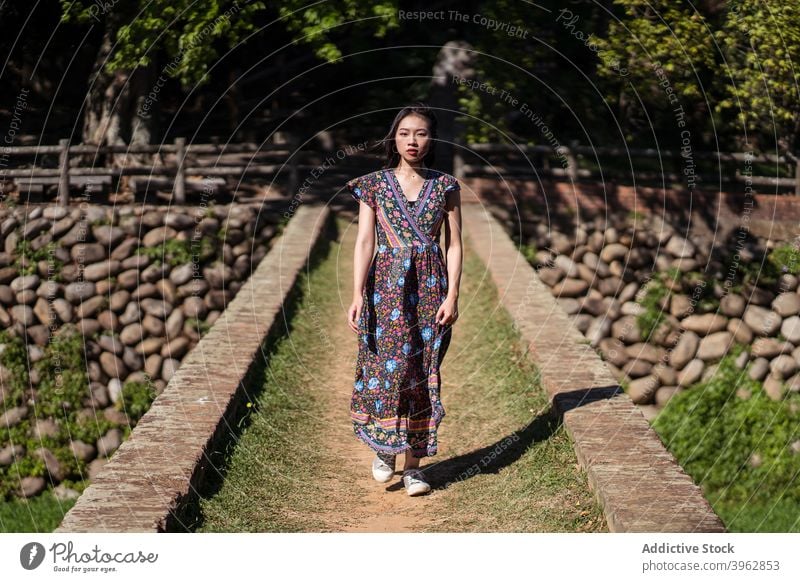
576 161
64 175
537 160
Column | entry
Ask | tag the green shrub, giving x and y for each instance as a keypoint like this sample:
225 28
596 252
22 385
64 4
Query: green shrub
785 259
25 255
179 252
136 399
652 316
714 434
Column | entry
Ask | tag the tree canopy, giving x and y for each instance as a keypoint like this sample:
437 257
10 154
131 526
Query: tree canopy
591 72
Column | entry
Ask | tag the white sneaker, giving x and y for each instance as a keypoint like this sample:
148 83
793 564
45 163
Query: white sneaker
414 482
383 467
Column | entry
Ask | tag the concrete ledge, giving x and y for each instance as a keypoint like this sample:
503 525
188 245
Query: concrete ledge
636 479
154 476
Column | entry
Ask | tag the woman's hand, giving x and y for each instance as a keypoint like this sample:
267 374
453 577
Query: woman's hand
448 311
354 313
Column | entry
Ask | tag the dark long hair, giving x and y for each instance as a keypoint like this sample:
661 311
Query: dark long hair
391 155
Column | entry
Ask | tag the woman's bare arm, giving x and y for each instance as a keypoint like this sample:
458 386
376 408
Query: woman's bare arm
454 255
362 258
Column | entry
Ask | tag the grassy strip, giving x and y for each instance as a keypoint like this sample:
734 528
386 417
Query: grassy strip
273 482
40 514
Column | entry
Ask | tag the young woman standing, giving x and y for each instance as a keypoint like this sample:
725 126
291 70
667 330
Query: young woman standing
405 297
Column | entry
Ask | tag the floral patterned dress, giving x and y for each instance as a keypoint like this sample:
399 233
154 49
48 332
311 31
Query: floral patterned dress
396 403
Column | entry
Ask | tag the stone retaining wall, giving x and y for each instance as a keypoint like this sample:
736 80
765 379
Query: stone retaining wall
139 286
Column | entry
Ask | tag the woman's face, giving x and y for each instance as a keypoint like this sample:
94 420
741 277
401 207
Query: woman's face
413 139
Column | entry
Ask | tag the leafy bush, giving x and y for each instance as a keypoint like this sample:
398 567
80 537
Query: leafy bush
179 252
136 399
786 259
61 394
652 316
738 450
783 259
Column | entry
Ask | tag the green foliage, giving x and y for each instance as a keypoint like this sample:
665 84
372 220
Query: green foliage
26 259
764 272
666 32
136 399
323 24
760 44
651 297
659 44
179 252
716 435
192 35
785 258
684 47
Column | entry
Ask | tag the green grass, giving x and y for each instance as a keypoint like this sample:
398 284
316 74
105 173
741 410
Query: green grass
267 487
490 389
714 433
40 514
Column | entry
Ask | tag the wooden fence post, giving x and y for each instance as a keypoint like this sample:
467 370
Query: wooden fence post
63 172
572 163
179 190
796 175
294 175
458 163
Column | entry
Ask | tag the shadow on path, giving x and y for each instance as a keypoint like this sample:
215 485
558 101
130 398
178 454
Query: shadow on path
507 450
491 458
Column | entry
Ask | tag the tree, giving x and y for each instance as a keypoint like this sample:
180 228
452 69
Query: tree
655 57
761 44
323 25
145 43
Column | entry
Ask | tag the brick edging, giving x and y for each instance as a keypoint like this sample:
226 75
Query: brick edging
152 477
635 478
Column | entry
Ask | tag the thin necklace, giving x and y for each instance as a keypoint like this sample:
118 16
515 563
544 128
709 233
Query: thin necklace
421 189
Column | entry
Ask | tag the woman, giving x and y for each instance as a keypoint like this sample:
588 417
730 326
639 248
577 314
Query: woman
405 297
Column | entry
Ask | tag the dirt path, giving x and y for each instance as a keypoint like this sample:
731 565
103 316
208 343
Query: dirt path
373 506
300 467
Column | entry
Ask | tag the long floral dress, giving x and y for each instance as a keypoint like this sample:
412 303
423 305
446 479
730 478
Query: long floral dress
396 402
